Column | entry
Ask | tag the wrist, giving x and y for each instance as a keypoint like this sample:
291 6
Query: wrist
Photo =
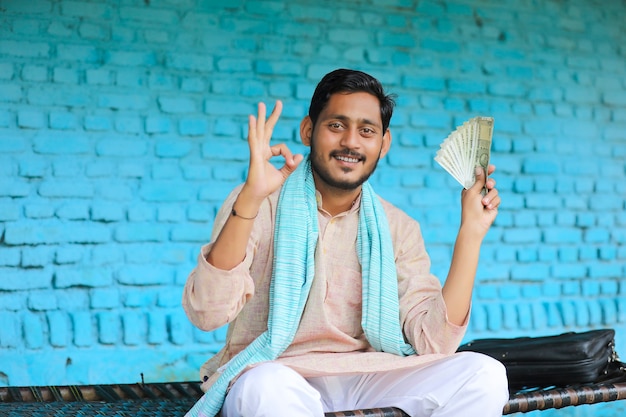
245 206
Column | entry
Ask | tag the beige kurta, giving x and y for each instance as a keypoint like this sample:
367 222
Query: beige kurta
330 339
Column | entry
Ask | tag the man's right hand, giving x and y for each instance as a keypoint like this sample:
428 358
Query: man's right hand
263 177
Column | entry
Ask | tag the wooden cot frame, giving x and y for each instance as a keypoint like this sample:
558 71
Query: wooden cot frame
185 394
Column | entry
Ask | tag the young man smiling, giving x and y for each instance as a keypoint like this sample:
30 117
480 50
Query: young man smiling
327 287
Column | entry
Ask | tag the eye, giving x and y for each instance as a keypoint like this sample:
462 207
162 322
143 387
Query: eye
368 131
335 125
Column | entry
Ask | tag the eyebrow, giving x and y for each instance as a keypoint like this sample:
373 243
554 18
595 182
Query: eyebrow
345 118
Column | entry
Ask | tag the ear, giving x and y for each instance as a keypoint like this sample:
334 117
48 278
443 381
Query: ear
306 131
386 143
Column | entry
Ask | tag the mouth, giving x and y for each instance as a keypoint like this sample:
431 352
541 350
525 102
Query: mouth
351 158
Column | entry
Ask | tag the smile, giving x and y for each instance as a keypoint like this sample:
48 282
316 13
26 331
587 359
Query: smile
347 159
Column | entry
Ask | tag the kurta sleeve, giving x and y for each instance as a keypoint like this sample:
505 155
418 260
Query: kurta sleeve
423 312
213 297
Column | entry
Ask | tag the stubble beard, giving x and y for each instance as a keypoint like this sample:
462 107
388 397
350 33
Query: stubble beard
317 166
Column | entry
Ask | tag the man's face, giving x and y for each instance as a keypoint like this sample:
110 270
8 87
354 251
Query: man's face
347 141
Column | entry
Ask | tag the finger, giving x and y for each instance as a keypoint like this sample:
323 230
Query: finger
492 199
271 121
282 149
491 183
260 122
251 128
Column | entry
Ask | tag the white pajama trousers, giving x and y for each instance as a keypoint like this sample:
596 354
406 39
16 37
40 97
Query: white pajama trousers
465 384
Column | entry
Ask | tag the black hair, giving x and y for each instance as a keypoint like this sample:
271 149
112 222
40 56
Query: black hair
350 81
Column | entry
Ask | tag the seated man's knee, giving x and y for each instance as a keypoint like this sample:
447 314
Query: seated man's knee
271 387
491 373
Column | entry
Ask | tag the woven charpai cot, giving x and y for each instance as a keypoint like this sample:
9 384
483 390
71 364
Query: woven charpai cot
176 398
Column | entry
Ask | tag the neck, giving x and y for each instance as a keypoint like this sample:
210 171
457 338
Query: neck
336 200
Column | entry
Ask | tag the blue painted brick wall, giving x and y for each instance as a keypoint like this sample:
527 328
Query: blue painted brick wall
123 124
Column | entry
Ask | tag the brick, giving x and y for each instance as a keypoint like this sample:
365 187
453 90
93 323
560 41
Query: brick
59 328
10 256
140 232
193 85
123 101
138 298
141 213
164 191
49 96
66 277
133 327
530 272
104 298
94 32
68 255
31 119
172 148
108 327
107 212
15 279
554 316
36 256
37 211
555 235
99 76
548 254
129 125
82 9
568 311
62 121
61 144
522 235
73 211
507 89
174 105
82 328
121 148
33 331
179 328
605 270
494 317
9 333
527 255
200 212
165 170
596 235
24 49
34 73
144 275
157 124
14 189
59 188
539 315
65 76
157 327
97 123
510 318
169 297
116 192
190 62
171 214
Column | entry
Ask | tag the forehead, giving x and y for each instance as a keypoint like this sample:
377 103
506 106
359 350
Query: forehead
358 106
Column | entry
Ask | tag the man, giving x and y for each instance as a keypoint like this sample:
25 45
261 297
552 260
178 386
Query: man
327 287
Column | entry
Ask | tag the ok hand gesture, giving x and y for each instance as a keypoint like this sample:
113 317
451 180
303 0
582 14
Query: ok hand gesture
263 177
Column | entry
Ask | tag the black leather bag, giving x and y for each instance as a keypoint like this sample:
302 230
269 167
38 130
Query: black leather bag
559 360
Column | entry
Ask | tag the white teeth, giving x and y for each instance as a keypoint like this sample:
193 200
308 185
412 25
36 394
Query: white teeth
346 159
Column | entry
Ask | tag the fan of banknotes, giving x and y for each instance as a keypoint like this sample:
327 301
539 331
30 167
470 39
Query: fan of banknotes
465 148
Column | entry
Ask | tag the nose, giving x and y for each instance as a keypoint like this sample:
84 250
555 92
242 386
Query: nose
351 139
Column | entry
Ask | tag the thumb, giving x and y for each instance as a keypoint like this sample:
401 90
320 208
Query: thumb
481 178
290 166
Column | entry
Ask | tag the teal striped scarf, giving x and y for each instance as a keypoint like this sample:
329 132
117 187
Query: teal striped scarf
295 239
